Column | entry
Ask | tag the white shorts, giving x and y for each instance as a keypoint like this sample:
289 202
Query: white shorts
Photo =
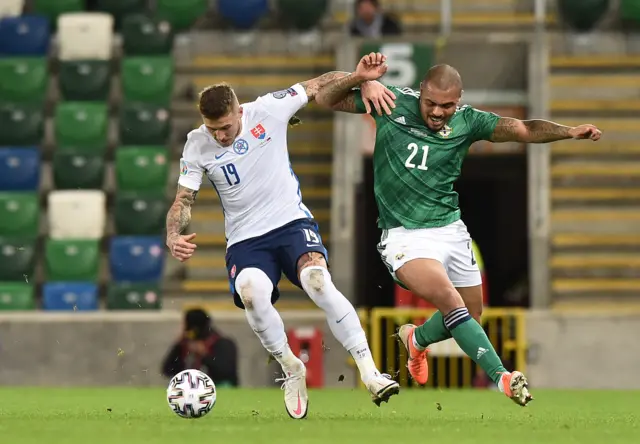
450 245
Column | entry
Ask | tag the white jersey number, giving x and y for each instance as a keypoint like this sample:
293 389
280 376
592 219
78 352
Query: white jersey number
414 151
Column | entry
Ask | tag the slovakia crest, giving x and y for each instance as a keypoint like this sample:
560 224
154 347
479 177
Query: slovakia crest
259 132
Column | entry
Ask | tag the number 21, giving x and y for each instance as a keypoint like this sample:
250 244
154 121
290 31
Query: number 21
414 150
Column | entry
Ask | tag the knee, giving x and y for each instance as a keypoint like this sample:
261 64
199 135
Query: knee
315 280
475 312
447 299
253 286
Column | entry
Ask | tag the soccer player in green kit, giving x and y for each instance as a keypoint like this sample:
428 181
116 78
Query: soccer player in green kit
421 143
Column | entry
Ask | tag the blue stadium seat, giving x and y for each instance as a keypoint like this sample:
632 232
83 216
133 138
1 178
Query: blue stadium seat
243 14
70 296
19 169
136 258
24 35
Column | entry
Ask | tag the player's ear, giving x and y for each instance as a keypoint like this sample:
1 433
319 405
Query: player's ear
240 111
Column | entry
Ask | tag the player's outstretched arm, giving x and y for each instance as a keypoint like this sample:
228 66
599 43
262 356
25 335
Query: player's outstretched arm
178 219
312 86
540 131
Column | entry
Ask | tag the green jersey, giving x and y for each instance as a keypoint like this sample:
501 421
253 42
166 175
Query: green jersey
415 168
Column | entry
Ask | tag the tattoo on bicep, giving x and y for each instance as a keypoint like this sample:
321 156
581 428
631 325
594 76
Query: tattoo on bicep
506 130
179 214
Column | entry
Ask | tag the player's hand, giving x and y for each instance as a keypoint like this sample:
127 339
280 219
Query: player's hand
371 67
585 132
181 246
376 94
197 347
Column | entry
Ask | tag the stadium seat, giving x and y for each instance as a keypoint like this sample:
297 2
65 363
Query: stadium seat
26 122
120 8
85 80
125 296
140 214
181 13
19 214
27 35
17 258
582 15
85 36
243 14
17 296
144 35
302 15
81 125
70 296
23 79
52 9
630 13
78 171
77 214
19 169
141 168
147 79
136 258
144 124
72 260
11 8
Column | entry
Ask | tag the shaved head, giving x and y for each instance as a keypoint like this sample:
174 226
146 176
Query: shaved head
443 77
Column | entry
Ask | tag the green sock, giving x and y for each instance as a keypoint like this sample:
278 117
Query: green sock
432 331
472 339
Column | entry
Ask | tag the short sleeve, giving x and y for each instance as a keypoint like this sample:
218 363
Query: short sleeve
284 104
482 123
357 95
190 169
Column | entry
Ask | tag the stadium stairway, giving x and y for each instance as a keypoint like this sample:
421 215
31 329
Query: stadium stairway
310 147
595 193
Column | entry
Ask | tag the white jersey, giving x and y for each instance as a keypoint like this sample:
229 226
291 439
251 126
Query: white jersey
258 189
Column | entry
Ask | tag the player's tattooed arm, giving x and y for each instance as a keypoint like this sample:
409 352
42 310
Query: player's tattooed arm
312 86
179 214
530 131
339 95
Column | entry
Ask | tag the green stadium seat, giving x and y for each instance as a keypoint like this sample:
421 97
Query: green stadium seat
17 258
120 8
125 296
54 8
17 296
26 122
181 13
78 171
85 80
147 79
630 13
23 79
302 15
144 35
72 260
81 126
19 214
142 168
144 124
140 214
582 15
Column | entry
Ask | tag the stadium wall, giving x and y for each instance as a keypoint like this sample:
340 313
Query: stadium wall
121 349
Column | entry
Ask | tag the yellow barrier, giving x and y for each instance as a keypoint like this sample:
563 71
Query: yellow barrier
449 367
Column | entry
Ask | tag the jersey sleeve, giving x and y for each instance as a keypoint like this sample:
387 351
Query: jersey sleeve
482 123
284 104
360 108
190 169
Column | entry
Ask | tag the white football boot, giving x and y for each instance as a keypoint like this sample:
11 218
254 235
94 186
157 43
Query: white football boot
382 387
296 398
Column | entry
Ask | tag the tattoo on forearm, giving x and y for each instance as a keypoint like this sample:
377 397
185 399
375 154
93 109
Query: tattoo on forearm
179 214
529 131
313 86
339 95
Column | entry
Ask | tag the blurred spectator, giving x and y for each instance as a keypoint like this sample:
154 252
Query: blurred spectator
201 347
370 21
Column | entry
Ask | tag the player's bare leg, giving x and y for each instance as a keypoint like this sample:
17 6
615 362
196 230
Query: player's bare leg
255 288
428 279
344 323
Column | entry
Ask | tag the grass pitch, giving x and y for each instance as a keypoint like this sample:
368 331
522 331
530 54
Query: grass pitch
142 416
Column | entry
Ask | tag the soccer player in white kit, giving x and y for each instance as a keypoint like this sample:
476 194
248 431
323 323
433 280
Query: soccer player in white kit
242 149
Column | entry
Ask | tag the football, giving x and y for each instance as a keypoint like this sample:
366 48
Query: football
191 394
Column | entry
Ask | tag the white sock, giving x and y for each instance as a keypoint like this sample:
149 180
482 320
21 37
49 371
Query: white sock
255 288
342 318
